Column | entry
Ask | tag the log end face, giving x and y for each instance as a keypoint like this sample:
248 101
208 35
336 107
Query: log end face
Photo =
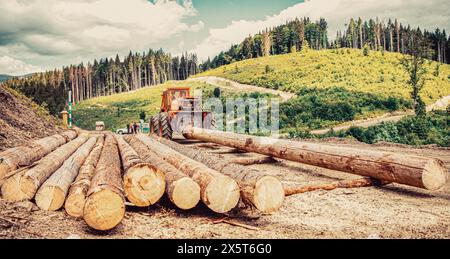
185 194
4 170
11 190
144 185
269 194
28 187
50 198
75 205
104 210
222 194
435 175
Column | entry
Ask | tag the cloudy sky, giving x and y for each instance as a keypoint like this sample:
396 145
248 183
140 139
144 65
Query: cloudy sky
37 35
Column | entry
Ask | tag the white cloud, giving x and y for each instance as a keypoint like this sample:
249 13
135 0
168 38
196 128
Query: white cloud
426 14
11 66
90 28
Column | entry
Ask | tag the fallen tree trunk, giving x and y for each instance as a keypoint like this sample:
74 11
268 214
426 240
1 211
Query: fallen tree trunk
411 170
181 190
52 194
37 175
346 184
77 193
105 205
264 192
12 159
144 185
219 192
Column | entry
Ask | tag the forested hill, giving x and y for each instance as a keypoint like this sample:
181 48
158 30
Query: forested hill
104 77
374 34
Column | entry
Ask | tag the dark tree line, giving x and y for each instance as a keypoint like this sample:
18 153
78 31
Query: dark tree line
373 34
104 77
391 36
282 39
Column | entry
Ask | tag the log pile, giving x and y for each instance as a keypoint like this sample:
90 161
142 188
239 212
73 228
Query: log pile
12 159
78 191
264 192
105 203
143 183
181 190
95 176
220 193
421 172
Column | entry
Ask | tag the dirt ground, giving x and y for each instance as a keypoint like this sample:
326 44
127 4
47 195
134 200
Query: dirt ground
392 211
20 121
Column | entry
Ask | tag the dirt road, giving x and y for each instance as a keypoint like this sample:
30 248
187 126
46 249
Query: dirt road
229 84
393 211
389 117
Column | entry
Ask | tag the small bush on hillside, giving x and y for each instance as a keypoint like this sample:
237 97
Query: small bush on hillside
366 50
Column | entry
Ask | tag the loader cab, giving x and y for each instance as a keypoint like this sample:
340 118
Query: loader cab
174 98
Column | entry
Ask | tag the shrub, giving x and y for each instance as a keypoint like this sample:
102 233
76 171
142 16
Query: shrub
366 50
217 92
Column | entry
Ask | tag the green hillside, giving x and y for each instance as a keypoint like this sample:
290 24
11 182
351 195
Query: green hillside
378 73
118 110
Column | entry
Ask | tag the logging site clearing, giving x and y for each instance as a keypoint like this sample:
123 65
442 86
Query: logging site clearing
319 202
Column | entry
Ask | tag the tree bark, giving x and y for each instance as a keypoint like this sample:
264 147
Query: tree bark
219 192
77 194
34 177
347 184
12 159
181 190
52 194
263 191
105 205
144 185
415 171
246 161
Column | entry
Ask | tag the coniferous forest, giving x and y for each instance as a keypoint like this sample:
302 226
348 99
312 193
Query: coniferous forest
104 77
108 76
373 34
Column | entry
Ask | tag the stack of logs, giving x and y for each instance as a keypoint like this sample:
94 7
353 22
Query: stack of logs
92 176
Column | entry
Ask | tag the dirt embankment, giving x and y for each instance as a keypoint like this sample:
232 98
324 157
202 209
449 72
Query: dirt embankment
22 120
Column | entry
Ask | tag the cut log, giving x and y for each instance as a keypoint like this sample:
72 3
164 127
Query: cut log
263 191
181 190
422 172
346 184
12 159
253 160
219 192
37 175
144 185
77 193
52 194
105 204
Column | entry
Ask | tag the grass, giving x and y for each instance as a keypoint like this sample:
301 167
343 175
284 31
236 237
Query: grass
378 73
121 109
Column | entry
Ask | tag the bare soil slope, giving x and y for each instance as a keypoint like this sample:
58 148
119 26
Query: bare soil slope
22 120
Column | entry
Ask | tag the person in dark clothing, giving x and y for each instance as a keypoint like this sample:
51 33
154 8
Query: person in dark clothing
135 128
128 128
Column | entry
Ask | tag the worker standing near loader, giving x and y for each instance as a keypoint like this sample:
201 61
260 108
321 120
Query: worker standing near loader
135 128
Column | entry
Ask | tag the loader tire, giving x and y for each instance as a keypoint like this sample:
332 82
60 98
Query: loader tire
154 125
165 130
